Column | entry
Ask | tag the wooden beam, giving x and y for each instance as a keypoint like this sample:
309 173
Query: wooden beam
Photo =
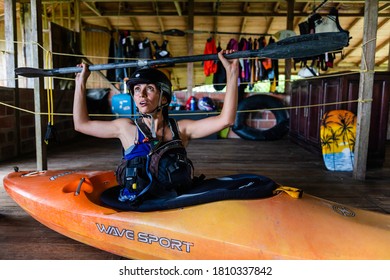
11 47
92 7
242 26
159 19
37 62
190 47
349 27
288 62
215 19
384 7
383 60
388 68
136 26
11 60
365 88
95 10
61 15
359 43
178 8
77 17
280 14
69 17
378 48
300 19
244 19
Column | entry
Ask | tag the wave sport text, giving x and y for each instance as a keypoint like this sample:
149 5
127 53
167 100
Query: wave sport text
147 238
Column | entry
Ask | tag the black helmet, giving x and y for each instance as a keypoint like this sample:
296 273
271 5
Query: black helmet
151 76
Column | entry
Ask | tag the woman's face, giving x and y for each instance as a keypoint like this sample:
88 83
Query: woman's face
146 97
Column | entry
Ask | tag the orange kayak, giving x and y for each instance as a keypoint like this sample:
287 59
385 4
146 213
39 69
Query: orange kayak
280 226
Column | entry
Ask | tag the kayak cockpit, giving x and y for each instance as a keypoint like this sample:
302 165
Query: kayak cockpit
240 186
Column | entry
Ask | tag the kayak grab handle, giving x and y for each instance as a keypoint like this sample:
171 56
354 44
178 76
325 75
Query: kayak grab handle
74 185
77 192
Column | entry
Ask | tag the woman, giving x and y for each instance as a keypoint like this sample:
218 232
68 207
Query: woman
151 91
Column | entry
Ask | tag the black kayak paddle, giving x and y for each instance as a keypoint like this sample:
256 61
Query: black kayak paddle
307 45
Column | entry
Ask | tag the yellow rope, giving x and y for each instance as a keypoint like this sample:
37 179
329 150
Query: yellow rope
49 91
17 108
194 112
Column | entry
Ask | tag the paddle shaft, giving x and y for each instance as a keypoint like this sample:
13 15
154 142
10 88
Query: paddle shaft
153 62
292 47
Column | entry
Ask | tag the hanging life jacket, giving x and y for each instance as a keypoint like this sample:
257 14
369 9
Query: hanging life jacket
163 172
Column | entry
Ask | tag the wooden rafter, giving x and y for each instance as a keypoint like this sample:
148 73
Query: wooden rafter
244 9
178 8
360 42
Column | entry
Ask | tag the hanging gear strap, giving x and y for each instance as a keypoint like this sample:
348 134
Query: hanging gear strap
148 135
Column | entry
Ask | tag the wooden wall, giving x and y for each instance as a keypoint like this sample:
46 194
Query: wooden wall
97 53
17 127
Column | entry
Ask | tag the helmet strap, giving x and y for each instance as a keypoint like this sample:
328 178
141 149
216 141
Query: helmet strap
153 127
152 114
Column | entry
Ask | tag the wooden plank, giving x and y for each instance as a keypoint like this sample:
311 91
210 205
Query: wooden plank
365 88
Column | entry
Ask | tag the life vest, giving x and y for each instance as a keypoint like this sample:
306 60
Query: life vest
318 24
210 66
219 78
159 169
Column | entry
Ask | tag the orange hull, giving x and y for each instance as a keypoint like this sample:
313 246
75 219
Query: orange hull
280 227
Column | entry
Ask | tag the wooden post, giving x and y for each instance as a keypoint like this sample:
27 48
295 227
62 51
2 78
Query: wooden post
365 88
37 62
288 62
10 42
77 16
190 45
388 61
11 59
388 124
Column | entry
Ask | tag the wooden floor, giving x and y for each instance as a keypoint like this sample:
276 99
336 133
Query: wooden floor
21 237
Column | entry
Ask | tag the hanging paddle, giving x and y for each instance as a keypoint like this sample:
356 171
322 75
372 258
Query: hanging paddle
291 47
169 32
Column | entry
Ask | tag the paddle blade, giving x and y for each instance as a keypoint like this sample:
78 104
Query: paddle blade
173 32
307 45
30 72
